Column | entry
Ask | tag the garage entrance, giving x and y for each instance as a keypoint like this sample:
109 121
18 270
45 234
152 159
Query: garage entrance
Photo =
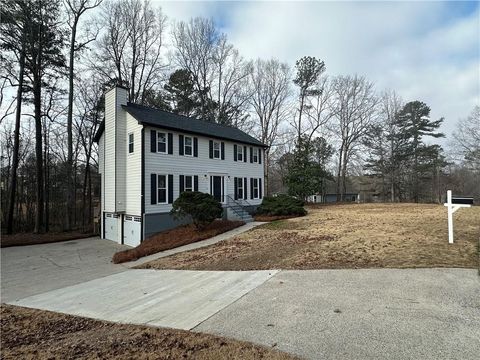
132 227
111 226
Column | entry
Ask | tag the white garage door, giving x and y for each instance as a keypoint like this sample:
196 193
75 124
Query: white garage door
132 227
111 227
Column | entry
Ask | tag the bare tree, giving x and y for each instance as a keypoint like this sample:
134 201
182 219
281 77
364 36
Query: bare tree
467 138
74 9
354 104
219 72
130 48
270 88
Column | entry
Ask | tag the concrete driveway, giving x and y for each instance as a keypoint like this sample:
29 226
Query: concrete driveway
34 269
360 314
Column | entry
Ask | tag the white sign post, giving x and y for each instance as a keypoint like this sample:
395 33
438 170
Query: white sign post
452 206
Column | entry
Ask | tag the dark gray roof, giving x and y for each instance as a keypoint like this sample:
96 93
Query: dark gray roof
167 120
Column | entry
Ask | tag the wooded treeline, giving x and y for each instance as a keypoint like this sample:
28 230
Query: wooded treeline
57 58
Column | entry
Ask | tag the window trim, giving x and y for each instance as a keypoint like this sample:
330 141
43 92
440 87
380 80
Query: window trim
255 155
240 187
185 183
132 142
240 152
165 188
166 143
219 150
190 146
255 180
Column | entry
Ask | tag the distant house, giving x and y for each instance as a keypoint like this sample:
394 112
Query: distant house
147 157
330 194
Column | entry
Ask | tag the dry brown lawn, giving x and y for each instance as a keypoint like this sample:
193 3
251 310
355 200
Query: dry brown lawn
345 236
38 334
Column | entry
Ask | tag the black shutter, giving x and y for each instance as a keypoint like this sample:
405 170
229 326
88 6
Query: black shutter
251 154
235 153
180 144
235 187
153 141
259 155
170 143
195 147
181 183
153 189
244 154
260 188
210 149
223 150
170 189
251 188
245 183
195 183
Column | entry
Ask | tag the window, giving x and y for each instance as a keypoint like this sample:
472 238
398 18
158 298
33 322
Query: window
239 188
240 153
130 143
162 189
161 142
188 146
216 150
255 155
188 183
255 188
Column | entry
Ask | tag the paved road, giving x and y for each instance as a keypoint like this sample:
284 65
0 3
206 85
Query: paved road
29 270
360 314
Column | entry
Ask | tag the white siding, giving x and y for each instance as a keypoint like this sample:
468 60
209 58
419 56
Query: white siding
114 150
133 174
202 166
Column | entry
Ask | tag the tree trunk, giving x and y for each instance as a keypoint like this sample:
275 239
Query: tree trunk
47 192
16 144
339 171
37 93
68 212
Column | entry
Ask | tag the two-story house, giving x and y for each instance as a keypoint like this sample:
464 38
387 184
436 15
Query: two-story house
147 157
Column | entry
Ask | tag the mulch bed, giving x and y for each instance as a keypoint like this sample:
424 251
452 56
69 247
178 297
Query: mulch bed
170 239
38 334
22 239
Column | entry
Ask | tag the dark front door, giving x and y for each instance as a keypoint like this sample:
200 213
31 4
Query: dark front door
217 188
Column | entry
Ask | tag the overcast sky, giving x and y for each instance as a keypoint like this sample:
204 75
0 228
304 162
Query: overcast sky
426 51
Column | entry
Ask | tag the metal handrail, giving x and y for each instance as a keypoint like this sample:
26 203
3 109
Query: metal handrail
229 197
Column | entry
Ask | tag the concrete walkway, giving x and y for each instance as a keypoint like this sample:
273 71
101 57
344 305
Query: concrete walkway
213 240
168 298
360 314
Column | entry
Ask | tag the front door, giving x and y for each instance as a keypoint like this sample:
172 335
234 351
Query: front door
217 188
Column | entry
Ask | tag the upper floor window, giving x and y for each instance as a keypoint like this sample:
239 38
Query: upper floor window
130 143
162 189
240 153
255 155
161 142
188 146
216 150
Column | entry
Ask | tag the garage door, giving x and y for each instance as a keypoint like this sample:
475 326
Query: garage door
132 227
111 226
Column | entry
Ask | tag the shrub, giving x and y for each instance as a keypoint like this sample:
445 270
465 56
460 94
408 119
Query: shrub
281 205
203 208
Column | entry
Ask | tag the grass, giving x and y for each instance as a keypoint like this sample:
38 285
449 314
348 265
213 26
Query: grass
345 236
274 217
38 334
176 237
22 239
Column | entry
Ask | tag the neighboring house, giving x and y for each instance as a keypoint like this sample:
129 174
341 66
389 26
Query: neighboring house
147 157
